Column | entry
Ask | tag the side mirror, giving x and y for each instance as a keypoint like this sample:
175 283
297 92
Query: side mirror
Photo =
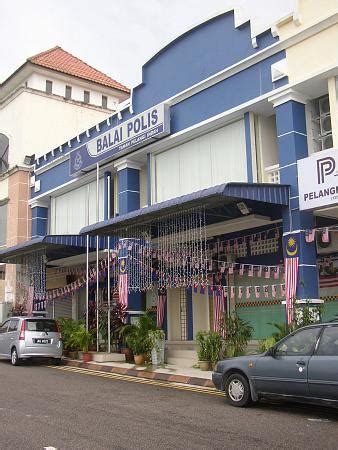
271 351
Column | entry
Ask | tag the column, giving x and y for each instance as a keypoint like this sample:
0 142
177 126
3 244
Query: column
128 182
39 219
292 146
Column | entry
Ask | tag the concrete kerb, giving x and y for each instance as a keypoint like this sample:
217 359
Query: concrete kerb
141 373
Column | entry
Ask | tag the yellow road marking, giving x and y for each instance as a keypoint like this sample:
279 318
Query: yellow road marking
114 376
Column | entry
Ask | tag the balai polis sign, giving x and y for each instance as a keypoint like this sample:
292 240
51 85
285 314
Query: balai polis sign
130 135
318 180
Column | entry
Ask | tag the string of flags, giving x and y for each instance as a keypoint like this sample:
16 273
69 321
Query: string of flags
272 290
310 235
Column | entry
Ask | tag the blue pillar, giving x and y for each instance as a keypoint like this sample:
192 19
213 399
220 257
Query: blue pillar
39 220
128 181
292 145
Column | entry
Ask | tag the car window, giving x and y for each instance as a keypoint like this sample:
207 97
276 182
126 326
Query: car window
299 344
41 325
4 326
13 326
328 345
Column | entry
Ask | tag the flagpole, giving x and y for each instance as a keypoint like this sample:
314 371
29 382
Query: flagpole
97 293
108 283
87 283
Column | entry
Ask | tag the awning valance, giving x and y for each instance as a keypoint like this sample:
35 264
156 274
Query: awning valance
262 193
55 246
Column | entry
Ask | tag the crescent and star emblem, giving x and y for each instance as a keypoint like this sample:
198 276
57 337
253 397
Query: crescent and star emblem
291 247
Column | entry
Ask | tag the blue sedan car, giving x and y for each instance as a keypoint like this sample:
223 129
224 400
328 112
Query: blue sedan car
301 367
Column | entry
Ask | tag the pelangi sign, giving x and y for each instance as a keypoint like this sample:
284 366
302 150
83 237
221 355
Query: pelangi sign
318 180
130 135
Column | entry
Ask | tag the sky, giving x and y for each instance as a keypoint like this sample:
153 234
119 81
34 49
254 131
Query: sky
114 36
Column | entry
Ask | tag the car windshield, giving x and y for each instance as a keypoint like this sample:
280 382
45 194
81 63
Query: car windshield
41 325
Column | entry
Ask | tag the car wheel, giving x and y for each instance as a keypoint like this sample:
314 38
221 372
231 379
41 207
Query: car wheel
14 357
56 361
237 390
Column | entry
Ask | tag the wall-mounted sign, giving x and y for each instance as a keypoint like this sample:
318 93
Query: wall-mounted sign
318 180
130 135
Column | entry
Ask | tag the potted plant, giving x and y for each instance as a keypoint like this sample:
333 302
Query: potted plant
215 347
237 334
67 329
83 339
156 338
203 351
137 338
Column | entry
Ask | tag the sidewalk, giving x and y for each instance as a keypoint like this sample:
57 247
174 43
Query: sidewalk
168 372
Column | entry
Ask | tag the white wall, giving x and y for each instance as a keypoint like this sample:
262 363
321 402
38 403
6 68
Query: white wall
72 211
215 158
200 312
35 124
4 189
266 141
143 187
38 81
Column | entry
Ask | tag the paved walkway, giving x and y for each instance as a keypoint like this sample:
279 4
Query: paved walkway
168 372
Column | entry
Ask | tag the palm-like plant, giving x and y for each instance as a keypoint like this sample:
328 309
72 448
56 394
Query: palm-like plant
137 335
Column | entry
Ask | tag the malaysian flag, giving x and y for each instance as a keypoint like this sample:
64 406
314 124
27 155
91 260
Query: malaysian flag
161 301
241 269
240 292
250 271
325 235
123 282
218 310
310 235
291 262
266 291
267 272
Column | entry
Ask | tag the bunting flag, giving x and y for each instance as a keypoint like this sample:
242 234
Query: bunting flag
250 271
257 291
161 302
310 235
325 235
248 291
225 291
241 270
232 292
240 292
259 271
267 272
218 311
273 290
266 291
276 273
231 269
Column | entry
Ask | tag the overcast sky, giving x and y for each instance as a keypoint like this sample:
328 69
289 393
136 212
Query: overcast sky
114 36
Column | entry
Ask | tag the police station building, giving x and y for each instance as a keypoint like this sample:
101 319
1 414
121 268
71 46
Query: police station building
219 168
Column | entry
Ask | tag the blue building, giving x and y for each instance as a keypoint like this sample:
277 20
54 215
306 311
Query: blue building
195 183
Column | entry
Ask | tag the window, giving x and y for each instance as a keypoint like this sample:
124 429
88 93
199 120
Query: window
2 275
68 92
104 101
4 326
3 224
86 96
41 325
328 345
4 147
13 326
49 87
299 344
321 124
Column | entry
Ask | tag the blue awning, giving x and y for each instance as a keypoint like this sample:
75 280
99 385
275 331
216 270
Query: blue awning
263 193
56 246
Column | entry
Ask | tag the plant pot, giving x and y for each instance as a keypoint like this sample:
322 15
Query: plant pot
204 365
73 355
128 354
86 356
66 353
139 359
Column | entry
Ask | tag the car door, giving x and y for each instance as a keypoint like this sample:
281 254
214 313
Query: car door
11 335
323 366
284 370
3 337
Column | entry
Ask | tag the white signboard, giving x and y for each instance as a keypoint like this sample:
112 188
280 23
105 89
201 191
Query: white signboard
318 180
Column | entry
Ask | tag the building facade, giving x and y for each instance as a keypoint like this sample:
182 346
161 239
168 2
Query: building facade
198 181
47 100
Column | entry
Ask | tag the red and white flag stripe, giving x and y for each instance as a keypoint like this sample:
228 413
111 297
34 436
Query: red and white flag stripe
218 310
291 276
123 289
161 301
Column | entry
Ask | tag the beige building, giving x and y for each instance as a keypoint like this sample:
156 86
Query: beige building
50 98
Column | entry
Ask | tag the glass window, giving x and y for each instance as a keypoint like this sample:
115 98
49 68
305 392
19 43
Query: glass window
328 345
13 326
86 96
68 92
49 87
3 224
4 326
41 325
104 101
299 344
4 147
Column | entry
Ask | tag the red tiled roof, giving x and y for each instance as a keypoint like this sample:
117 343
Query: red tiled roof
58 59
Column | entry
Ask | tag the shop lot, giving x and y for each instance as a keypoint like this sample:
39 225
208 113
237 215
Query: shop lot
52 407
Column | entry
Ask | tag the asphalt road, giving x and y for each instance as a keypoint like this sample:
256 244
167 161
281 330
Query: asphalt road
42 406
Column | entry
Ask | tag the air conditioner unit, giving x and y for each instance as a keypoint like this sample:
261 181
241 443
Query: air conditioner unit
324 248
